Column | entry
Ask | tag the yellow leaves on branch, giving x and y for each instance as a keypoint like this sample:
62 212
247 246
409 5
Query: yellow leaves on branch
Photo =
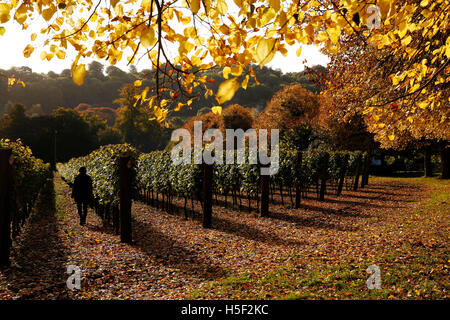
252 33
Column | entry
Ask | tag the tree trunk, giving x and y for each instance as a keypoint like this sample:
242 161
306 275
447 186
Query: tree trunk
366 170
358 172
445 159
342 174
427 168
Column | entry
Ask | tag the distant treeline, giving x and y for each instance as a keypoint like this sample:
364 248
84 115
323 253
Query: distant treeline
46 92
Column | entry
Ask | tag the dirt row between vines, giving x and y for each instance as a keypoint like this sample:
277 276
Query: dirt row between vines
172 257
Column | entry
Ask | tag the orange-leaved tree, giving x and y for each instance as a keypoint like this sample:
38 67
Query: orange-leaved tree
397 78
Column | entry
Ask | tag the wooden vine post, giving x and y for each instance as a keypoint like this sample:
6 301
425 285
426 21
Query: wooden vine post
207 194
265 191
324 176
298 189
5 225
125 198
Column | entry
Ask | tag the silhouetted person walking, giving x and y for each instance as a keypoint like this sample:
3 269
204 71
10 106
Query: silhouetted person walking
82 193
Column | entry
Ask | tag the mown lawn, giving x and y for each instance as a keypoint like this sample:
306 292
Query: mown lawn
410 247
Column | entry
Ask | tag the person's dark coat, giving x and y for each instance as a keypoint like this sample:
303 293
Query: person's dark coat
82 188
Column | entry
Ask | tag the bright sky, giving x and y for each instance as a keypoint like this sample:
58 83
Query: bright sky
14 41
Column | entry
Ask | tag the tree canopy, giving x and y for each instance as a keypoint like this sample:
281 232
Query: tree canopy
235 34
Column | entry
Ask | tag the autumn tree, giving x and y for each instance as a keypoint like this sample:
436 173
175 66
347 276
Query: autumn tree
105 113
292 110
237 117
351 134
134 122
397 77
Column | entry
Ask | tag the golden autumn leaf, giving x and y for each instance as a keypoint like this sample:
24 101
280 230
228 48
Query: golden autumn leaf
49 12
21 14
4 12
237 70
43 55
148 38
78 74
216 110
60 54
137 83
275 4
28 51
265 51
195 6
226 72
245 82
227 89
385 6
334 34
221 6
179 106
11 81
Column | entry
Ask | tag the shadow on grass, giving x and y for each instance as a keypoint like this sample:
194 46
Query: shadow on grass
310 222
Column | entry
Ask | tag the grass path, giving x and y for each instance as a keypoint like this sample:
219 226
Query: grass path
320 251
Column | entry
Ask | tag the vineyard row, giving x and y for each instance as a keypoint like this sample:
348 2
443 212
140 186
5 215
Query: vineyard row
156 180
22 178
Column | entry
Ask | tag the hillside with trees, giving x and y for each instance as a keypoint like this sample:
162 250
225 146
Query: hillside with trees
45 92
